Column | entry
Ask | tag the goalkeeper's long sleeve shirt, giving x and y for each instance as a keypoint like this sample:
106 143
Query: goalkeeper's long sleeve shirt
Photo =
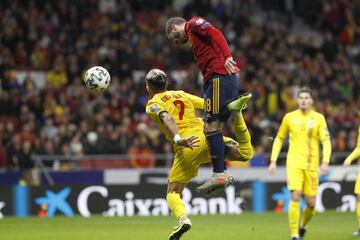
306 131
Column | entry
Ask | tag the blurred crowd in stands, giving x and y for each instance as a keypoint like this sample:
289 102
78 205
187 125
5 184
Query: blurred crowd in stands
279 46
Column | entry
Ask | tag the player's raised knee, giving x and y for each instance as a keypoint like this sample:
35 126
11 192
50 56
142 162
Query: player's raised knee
247 154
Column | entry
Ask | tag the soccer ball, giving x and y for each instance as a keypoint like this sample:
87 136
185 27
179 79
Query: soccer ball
97 79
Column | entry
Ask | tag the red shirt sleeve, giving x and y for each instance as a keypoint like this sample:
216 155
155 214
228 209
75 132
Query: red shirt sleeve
218 38
204 29
199 26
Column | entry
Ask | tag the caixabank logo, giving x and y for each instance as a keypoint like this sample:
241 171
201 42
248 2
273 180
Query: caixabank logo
149 199
142 200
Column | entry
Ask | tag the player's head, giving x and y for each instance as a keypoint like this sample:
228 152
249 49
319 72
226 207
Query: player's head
305 99
156 81
175 30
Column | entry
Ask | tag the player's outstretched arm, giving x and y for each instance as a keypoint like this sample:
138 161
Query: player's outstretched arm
171 125
353 155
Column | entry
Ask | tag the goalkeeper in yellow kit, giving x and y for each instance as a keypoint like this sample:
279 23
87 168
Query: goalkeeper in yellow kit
355 155
174 113
306 128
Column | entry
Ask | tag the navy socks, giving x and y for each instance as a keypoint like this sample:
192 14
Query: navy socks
217 151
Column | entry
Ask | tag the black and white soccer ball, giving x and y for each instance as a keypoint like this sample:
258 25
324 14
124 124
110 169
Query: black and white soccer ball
97 79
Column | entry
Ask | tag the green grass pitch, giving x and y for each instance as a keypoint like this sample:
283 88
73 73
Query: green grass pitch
248 226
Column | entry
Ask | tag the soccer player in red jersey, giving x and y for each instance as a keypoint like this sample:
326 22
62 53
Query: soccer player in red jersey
221 87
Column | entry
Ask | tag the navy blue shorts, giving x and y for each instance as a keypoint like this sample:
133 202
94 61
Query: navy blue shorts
219 90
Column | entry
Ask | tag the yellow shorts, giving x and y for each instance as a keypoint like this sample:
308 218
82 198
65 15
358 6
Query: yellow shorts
187 161
304 180
357 184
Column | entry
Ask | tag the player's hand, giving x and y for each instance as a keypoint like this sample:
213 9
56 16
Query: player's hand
190 142
272 168
230 65
346 164
324 169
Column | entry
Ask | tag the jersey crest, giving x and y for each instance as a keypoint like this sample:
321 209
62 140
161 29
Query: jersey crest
154 108
311 123
202 23
199 21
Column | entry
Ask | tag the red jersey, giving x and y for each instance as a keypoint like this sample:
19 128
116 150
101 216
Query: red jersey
208 46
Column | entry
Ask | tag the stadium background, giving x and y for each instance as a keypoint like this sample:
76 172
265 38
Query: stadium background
58 137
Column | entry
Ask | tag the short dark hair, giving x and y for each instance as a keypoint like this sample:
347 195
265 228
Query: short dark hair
173 21
305 90
156 79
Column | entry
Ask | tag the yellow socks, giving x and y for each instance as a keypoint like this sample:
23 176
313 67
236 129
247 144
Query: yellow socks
307 215
294 218
243 136
175 204
358 212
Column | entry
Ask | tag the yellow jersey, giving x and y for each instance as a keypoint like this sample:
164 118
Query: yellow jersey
356 153
181 106
305 131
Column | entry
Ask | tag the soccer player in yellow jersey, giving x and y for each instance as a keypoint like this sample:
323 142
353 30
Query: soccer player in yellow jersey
174 113
306 128
355 155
